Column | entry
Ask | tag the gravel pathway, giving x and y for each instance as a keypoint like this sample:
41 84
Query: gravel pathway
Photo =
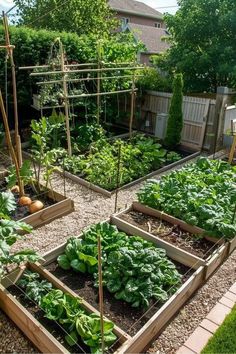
91 207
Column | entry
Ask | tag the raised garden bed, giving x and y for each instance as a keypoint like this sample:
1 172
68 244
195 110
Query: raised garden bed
183 241
109 194
142 325
201 194
56 205
116 163
47 336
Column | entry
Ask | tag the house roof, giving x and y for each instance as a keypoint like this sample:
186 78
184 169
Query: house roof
150 36
134 7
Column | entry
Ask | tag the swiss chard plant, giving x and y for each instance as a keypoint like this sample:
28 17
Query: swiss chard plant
68 312
134 270
202 194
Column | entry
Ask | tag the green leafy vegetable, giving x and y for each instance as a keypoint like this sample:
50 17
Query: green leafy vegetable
202 194
133 269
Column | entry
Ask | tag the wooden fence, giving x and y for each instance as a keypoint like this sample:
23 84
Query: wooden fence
198 113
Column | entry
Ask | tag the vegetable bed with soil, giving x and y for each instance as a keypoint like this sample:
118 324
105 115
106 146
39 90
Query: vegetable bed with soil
97 162
173 234
138 278
38 206
63 315
202 194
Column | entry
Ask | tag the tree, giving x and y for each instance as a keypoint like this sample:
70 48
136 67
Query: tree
79 16
175 120
203 42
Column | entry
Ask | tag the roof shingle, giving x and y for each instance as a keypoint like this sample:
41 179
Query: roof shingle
151 37
134 6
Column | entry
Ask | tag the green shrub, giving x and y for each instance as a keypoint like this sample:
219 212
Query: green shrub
32 47
175 120
152 80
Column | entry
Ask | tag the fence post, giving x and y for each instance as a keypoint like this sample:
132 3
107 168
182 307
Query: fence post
223 97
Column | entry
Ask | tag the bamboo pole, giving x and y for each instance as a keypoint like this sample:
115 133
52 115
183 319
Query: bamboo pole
65 92
101 309
10 52
10 145
87 79
100 94
133 96
69 65
84 71
99 49
118 177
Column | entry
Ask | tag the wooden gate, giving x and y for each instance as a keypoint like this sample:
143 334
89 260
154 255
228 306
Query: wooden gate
198 115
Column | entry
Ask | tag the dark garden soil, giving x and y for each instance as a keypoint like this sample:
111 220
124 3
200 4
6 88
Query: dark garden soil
5 160
22 211
121 313
54 328
173 234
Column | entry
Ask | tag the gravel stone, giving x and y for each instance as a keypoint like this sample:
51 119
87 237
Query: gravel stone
91 207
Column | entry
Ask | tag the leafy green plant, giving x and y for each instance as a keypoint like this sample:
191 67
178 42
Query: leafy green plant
9 234
67 310
139 156
86 134
26 175
7 204
133 269
175 119
34 288
202 194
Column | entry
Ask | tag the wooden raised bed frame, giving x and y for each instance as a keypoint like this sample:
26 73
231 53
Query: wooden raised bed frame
109 194
31 327
210 264
63 206
46 343
152 328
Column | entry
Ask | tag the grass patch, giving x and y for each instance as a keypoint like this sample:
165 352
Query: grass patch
224 339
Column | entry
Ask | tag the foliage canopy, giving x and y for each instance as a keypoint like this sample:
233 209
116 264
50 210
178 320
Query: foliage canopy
203 44
79 16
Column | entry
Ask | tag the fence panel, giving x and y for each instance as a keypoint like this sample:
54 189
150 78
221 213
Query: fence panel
198 115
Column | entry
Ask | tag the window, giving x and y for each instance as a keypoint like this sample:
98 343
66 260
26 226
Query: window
157 25
124 21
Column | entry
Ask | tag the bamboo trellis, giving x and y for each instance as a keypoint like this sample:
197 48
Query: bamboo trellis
64 70
9 49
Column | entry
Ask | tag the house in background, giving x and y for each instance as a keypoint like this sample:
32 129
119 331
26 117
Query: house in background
146 24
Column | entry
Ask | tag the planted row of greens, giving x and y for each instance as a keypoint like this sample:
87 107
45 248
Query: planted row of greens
99 164
9 234
134 270
68 312
202 194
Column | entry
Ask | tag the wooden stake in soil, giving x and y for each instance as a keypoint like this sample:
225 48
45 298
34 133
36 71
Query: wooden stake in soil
10 48
118 177
133 96
99 83
65 93
10 146
101 309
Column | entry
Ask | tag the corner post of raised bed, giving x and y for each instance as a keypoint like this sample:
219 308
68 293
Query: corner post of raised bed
9 49
65 94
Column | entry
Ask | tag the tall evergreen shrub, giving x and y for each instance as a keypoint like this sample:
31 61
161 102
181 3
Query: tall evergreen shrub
175 119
